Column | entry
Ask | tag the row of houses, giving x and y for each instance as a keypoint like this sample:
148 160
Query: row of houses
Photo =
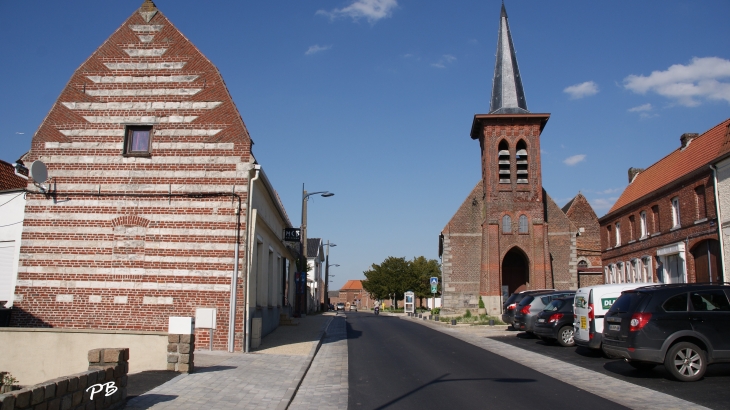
154 206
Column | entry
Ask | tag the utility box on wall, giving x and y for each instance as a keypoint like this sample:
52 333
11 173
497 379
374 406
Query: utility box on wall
205 318
181 325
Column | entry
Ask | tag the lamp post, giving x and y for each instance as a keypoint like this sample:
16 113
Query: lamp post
303 248
326 274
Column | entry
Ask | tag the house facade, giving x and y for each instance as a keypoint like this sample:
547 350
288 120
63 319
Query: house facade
664 228
158 206
509 235
315 276
12 200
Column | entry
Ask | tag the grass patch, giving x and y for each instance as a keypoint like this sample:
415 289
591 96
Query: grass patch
468 318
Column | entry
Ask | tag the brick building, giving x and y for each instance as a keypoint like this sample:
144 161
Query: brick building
509 235
664 226
12 200
158 205
352 293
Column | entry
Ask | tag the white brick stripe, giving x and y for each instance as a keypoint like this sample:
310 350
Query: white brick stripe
146 38
58 215
160 145
149 105
186 133
108 257
113 79
201 160
157 300
139 119
140 204
64 298
146 27
186 232
94 298
148 188
121 299
83 284
100 272
94 133
144 93
145 52
146 66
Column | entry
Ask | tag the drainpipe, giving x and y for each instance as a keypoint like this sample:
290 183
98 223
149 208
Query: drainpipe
719 223
234 282
246 315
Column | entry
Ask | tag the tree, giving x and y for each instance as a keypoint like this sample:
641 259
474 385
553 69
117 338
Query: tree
398 275
422 270
390 277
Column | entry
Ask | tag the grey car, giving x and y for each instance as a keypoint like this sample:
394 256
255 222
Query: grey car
527 310
509 306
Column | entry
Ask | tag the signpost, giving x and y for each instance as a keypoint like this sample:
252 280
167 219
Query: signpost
434 289
292 234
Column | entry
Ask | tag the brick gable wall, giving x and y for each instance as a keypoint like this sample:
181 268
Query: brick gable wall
588 242
130 241
562 246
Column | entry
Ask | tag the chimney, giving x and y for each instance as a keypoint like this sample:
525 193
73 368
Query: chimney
633 172
687 137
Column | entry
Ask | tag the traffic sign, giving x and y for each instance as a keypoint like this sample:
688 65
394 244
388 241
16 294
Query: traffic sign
434 281
433 289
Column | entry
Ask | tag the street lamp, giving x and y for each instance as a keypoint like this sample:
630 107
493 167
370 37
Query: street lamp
303 245
326 274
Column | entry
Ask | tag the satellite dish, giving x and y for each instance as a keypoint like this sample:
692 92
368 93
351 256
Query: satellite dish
38 171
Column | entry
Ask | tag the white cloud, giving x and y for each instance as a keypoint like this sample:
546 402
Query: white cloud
601 204
686 84
570 161
645 107
316 49
445 59
581 90
20 133
372 10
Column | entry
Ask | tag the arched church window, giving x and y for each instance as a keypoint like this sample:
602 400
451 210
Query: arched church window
521 156
504 163
506 224
523 224
583 264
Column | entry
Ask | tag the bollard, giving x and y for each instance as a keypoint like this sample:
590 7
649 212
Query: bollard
453 322
491 322
436 318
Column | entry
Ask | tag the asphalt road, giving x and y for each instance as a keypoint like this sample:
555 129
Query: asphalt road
712 391
396 364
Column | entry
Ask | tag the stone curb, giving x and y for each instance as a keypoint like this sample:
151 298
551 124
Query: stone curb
292 391
458 326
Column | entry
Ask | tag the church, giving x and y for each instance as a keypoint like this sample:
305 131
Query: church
509 235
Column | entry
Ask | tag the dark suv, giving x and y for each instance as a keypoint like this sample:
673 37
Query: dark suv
509 305
684 326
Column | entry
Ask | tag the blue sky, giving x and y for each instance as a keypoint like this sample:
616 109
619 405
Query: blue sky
374 99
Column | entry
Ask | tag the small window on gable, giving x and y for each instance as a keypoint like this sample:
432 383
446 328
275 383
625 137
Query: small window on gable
656 227
701 204
521 160
506 224
504 163
583 264
618 234
523 224
642 220
137 140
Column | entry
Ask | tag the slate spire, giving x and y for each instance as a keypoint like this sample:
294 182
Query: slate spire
508 97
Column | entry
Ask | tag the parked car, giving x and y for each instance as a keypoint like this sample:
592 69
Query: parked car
686 327
590 306
509 305
353 307
555 322
340 306
526 312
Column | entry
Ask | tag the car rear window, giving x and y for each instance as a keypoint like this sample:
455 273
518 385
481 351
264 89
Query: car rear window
555 305
548 298
627 302
709 301
526 300
512 299
676 303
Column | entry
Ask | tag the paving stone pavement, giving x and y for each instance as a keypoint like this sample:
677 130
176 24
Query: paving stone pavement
325 385
594 382
260 380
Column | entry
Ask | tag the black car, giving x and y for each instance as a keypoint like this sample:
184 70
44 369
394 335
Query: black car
528 308
555 322
509 305
685 326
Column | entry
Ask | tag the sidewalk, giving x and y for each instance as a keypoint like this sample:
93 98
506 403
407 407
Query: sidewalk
267 378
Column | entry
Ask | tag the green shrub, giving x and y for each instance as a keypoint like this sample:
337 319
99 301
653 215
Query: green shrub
467 314
436 311
481 302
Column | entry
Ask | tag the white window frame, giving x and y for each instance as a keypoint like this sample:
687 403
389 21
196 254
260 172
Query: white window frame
644 227
620 277
618 234
675 213
647 274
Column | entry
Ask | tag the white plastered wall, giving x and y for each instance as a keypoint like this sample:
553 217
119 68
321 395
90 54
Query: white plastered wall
12 211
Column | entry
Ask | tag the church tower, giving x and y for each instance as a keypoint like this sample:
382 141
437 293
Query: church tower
514 248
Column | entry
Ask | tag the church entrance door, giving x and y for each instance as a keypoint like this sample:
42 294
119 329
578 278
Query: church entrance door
515 271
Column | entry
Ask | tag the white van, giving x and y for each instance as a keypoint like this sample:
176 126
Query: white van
590 306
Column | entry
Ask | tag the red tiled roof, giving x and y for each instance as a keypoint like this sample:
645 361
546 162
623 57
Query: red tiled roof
8 179
700 152
352 285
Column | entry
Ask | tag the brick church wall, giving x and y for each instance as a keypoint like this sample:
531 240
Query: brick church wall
562 245
461 253
129 241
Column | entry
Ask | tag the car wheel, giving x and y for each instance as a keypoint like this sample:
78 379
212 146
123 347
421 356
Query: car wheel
642 366
566 336
686 362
